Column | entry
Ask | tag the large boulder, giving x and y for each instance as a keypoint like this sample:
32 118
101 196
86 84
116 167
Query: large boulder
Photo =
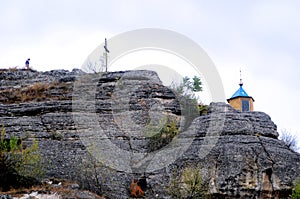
99 129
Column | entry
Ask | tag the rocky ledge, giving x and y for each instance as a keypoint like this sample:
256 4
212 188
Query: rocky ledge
103 130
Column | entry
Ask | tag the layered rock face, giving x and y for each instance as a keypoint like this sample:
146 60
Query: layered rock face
99 129
245 159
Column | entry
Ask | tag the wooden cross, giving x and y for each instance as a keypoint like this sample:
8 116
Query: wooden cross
106 51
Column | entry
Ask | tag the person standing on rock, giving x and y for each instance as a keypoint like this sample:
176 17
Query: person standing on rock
27 63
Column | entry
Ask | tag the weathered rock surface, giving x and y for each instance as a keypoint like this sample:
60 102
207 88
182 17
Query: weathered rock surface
95 129
247 160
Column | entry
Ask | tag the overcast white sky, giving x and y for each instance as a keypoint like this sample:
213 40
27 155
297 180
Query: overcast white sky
261 37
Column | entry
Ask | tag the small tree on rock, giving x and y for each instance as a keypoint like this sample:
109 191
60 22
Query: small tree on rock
188 87
289 139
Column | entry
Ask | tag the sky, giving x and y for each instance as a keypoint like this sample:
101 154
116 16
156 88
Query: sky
260 37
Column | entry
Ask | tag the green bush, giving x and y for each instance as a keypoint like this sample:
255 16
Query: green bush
159 138
188 95
189 185
203 109
296 190
19 166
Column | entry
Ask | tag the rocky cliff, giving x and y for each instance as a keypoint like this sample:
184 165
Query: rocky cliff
103 130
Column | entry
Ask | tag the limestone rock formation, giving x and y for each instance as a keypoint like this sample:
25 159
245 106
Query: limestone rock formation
247 160
99 129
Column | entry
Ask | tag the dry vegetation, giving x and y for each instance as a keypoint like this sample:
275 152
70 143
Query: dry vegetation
36 92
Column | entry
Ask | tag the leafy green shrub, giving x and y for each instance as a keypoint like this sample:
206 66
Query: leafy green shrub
188 185
19 166
296 190
203 109
56 135
188 95
164 136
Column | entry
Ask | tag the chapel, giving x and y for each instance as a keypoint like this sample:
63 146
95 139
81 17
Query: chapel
240 100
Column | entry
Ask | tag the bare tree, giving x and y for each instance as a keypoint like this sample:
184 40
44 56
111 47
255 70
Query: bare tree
94 67
289 139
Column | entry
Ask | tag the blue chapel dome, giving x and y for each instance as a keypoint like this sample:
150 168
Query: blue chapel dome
240 93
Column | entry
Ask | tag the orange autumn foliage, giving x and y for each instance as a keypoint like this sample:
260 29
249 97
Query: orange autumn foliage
135 189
